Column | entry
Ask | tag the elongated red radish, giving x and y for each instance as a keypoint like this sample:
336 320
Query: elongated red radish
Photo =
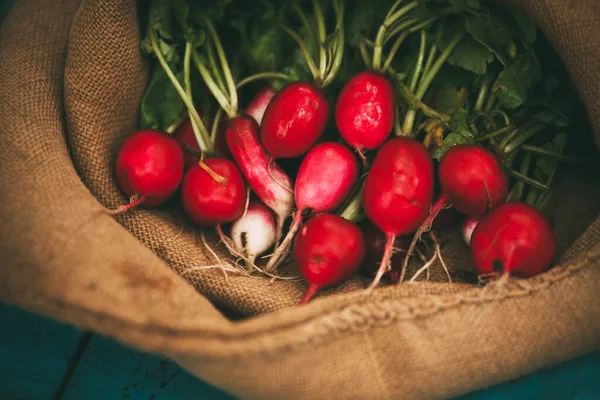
328 250
514 239
209 202
257 107
325 179
274 188
149 168
468 226
398 192
375 241
365 110
471 180
254 232
294 120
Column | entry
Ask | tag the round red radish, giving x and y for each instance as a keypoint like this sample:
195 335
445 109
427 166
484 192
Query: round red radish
209 202
365 110
514 239
294 120
472 179
468 226
272 186
325 179
258 105
398 191
149 164
375 244
328 250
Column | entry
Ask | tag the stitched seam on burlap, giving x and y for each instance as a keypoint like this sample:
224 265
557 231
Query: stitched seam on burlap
349 319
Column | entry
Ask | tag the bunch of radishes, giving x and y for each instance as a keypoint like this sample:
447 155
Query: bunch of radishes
361 202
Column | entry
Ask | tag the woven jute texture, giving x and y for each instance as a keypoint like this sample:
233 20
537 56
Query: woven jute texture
71 78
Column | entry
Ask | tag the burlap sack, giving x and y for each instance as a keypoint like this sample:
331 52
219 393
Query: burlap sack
71 78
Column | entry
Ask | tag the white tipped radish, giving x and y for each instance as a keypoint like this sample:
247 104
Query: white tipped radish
468 227
254 232
325 179
258 105
273 187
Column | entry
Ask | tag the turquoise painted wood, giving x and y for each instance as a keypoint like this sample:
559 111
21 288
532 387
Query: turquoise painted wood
35 354
110 371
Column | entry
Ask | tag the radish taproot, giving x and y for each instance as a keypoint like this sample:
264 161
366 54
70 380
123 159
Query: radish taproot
149 168
398 192
210 200
254 232
514 239
328 250
375 241
256 108
471 180
365 111
325 179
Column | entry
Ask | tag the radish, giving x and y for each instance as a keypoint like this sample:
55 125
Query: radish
365 110
273 188
258 105
297 115
471 180
294 120
398 192
325 178
210 200
468 226
514 239
328 250
270 183
375 243
149 168
254 232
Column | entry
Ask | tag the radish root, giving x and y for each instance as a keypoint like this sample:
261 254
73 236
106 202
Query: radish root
134 201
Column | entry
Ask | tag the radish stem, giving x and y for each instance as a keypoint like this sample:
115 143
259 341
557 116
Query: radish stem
205 144
309 60
380 38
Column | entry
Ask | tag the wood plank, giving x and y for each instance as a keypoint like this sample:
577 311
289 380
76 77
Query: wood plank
35 353
108 370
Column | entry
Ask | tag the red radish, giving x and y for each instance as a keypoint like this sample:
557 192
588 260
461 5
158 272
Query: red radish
294 120
328 250
375 243
398 192
471 180
468 226
514 239
149 166
211 202
254 232
326 177
258 105
365 110
274 188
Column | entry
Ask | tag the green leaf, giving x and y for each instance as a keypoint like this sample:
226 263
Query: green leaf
160 20
161 103
452 139
471 55
492 32
526 29
517 81
545 167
